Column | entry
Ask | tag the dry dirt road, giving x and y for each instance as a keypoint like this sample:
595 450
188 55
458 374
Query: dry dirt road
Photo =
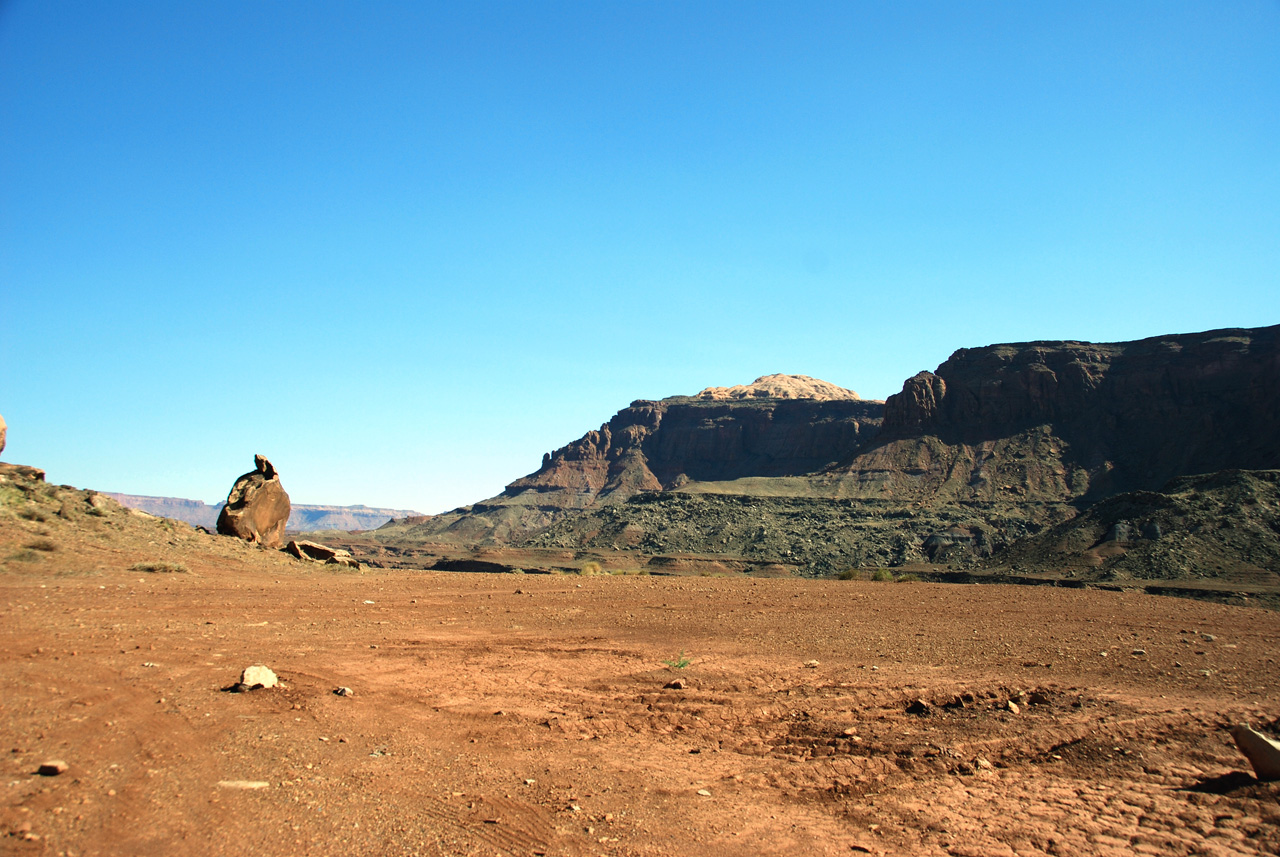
534 715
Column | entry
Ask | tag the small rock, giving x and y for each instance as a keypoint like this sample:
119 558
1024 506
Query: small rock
52 768
678 684
344 691
258 676
1038 697
1013 707
919 706
1137 653
813 665
704 792
243 784
1208 638
982 763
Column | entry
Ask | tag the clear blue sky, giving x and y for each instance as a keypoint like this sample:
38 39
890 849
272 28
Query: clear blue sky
403 249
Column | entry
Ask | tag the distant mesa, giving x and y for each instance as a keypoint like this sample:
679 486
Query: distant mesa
257 508
781 386
302 517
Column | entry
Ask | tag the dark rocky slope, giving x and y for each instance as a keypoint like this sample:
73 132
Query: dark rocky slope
1222 526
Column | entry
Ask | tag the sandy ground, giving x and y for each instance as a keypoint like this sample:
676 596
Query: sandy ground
532 714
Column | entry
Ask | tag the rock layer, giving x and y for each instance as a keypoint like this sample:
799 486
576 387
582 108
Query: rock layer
257 508
1057 421
781 387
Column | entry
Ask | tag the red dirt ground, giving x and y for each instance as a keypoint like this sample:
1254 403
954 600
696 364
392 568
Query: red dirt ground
526 715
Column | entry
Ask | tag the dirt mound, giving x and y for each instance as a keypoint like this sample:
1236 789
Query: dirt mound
780 387
1218 526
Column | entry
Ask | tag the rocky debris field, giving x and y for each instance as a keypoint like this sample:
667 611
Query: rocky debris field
1218 526
442 713
819 536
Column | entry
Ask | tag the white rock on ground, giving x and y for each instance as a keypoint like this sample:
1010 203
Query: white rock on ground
1262 752
258 675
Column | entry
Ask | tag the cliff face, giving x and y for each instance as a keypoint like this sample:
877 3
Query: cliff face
778 426
657 445
1066 420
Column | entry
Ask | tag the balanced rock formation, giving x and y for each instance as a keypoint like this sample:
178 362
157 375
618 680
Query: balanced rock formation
257 508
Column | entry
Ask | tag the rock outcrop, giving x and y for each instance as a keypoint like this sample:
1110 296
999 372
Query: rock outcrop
996 445
664 444
781 387
1077 420
316 552
257 508
3 431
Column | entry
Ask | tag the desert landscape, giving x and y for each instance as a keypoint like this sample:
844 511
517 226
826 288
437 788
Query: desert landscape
768 619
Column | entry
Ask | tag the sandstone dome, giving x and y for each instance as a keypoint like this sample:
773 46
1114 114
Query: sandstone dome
781 387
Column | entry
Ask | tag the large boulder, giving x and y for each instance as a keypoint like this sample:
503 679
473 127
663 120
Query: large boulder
2 432
257 508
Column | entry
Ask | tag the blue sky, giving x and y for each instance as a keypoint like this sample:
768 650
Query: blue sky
403 249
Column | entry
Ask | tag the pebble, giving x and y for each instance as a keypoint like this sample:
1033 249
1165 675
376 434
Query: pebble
1013 707
1139 652
52 768
813 665
678 684
344 691
704 792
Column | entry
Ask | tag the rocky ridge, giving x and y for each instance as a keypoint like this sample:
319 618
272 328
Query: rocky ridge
996 445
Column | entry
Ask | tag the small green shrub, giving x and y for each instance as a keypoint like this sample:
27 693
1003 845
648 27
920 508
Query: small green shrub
882 575
160 567
679 662
849 574
907 578
42 545
25 555
592 567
